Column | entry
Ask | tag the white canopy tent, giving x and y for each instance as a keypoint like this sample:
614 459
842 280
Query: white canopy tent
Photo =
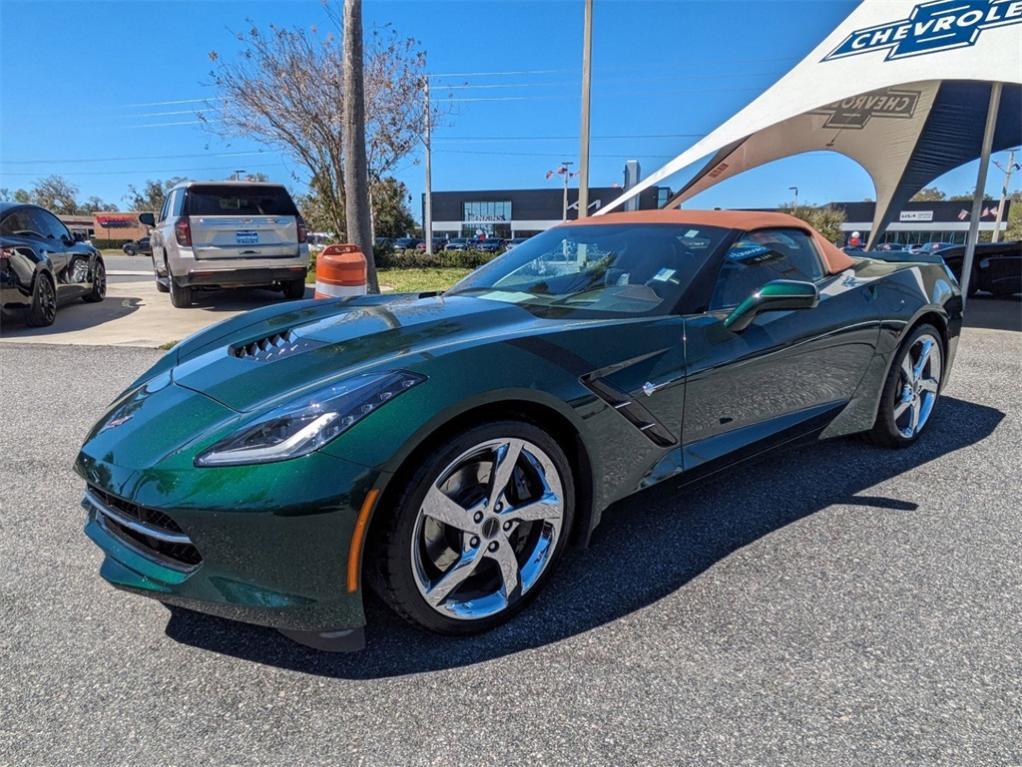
908 90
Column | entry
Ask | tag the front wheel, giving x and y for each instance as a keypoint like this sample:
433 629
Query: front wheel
477 530
911 390
43 310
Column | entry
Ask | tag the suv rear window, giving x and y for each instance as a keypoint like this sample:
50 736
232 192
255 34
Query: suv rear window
239 201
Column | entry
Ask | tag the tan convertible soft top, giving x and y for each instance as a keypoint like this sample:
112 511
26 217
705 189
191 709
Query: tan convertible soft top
835 259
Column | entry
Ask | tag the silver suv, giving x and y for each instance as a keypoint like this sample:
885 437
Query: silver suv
226 234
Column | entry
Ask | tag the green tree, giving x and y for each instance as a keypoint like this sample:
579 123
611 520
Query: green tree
826 220
391 217
93 205
22 195
151 196
55 193
967 197
928 194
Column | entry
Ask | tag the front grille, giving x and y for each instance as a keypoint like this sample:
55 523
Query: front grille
151 531
149 517
272 347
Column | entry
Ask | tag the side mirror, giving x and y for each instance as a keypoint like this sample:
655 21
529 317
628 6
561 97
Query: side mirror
779 295
147 219
79 235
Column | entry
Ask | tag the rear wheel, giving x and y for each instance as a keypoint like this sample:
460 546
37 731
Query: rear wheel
180 295
911 390
98 292
294 289
43 310
477 530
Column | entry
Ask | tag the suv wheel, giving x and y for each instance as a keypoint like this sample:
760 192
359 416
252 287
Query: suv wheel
180 295
294 289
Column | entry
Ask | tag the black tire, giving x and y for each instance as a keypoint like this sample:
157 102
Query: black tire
390 565
294 290
180 295
98 292
43 310
886 431
128 250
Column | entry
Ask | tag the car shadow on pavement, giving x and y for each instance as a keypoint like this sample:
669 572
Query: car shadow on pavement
76 315
646 548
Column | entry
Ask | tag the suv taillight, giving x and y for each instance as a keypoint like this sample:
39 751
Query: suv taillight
303 233
183 232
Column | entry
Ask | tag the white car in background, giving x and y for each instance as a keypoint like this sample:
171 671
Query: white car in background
228 234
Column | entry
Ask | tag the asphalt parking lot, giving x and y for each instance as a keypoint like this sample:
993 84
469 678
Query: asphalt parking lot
841 605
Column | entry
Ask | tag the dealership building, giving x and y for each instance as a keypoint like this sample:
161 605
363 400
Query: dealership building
919 222
510 213
507 213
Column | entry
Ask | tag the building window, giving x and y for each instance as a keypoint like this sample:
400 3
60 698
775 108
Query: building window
486 211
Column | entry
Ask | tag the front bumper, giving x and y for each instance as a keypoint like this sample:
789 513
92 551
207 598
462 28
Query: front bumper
274 540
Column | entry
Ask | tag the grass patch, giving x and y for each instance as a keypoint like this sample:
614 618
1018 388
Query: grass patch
419 280
167 346
413 280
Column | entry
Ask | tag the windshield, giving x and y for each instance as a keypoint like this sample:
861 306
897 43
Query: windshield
604 268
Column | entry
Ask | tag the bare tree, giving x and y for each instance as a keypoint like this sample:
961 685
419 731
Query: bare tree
286 88
56 193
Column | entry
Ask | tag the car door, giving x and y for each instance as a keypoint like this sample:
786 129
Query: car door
70 268
788 371
157 235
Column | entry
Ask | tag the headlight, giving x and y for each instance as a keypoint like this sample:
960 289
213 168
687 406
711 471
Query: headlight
307 424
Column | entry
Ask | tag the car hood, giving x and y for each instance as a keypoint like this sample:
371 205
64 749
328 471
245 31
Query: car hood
251 364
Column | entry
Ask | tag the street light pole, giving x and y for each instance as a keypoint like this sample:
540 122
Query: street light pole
567 175
583 172
795 190
981 184
427 213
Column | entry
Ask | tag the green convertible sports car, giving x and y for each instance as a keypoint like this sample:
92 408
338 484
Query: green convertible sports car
445 449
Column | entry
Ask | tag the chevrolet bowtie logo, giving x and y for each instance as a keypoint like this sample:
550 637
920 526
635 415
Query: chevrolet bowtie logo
931 27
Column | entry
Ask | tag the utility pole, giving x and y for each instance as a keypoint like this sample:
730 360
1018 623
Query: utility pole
237 174
1011 168
583 171
356 172
567 175
795 190
427 213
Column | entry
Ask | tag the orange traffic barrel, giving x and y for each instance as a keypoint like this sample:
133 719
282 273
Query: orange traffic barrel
340 272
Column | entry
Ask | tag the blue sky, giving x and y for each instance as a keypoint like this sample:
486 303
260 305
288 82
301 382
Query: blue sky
85 86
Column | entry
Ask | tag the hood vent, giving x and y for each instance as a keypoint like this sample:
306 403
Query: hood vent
273 347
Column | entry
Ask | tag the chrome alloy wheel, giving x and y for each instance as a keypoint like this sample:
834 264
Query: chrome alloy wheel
487 528
918 385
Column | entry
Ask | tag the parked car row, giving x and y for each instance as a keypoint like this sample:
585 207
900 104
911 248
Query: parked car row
484 245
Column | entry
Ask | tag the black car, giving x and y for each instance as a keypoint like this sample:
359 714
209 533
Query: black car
489 245
135 247
406 243
996 266
43 265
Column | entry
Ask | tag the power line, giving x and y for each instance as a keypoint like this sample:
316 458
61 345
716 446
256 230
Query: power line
136 157
150 170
